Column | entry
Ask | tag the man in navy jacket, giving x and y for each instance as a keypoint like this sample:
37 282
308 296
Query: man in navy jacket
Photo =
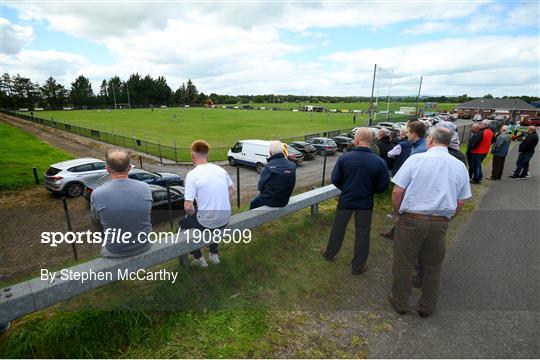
359 174
277 180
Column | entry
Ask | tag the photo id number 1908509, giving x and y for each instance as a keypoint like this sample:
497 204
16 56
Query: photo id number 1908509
225 236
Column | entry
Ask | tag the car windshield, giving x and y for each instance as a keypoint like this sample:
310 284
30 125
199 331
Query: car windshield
292 150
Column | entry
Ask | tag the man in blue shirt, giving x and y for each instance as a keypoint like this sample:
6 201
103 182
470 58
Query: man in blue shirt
417 136
359 174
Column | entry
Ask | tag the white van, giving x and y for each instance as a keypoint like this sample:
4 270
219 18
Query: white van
249 152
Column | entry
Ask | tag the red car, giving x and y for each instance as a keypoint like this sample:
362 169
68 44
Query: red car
530 121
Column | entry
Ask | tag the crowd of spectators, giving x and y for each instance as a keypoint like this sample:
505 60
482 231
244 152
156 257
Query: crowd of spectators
430 183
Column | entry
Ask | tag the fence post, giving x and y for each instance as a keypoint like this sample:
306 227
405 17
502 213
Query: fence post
70 228
323 171
160 157
238 186
140 161
314 208
36 178
175 156
169 205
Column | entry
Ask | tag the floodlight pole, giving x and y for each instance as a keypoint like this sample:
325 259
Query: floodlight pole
129 103
418 96
371 101
389 96
114 96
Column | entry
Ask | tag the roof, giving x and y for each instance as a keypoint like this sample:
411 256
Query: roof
69 163
256 142
510 104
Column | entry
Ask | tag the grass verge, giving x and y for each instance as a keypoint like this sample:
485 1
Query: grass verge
19 153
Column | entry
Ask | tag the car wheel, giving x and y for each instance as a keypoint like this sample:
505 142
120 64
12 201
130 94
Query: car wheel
74 190
259 167
232 161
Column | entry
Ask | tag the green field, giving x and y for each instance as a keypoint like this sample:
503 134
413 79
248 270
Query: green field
220 127
19 153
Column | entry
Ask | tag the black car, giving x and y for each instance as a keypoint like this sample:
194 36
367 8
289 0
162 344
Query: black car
151 178
344 143
305 148
324 146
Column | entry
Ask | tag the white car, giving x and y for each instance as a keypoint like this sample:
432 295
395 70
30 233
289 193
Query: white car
253 153
69 177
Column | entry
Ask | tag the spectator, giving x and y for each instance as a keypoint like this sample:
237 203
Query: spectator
500 151
453 148
359 174
400 152
474 137
526 152
277 179
210 187
382 140
122 204
429 190
395 137
416 134
479 150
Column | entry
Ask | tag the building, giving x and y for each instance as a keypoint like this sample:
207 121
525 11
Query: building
511 108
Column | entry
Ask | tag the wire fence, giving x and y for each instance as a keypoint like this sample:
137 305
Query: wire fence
174 153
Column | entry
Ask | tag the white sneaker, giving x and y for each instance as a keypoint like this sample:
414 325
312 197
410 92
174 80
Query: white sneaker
200 262
213 258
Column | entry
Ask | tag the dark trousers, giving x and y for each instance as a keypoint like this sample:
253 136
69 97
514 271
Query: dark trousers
256 203
191 222
522 164
424 238
362 224
477 166
470 164
498 167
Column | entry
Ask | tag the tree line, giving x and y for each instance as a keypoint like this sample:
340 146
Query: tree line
18 92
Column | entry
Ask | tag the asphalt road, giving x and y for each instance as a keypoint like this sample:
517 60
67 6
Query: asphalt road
489 300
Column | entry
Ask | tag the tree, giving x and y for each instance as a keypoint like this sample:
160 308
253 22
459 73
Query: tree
180 94
191 93
488 96
6 96
54 94
81 92
463 98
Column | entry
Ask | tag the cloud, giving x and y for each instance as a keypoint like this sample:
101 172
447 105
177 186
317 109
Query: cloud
39 65
14 37
525 15
427 28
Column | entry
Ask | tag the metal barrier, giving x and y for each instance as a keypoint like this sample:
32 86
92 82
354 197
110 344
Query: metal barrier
36 294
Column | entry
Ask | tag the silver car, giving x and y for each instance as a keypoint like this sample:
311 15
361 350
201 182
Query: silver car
69 177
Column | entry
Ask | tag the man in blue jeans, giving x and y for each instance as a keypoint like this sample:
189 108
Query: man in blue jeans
277 180
526 152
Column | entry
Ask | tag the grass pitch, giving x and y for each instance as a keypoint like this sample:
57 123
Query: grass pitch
19 153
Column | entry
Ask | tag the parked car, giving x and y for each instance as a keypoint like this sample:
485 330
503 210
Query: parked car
400 126
253 153
386 125
324 146
344 143
535 121
69 177
308 150
151 178
294 155
159 196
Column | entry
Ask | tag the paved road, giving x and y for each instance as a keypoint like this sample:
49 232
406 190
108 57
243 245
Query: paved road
489 300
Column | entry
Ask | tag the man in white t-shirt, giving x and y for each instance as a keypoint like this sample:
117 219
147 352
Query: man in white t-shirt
210 187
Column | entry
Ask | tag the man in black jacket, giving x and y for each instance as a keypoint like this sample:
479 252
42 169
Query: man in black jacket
385 145
277 180
359 174
526 152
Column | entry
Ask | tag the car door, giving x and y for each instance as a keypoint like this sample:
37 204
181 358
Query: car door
86 172
237 152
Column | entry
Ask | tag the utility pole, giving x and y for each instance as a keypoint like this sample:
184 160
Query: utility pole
129 102
371 101
114 95
418 96
389 96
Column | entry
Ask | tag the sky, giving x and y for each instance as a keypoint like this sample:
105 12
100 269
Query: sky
281 47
